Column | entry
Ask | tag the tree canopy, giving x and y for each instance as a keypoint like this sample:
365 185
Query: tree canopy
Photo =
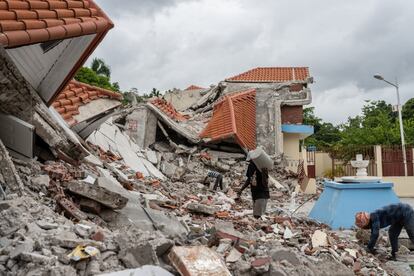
377 125
98 75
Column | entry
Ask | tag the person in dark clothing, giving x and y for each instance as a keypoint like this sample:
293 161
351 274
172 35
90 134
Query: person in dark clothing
258 181
218 179
396 216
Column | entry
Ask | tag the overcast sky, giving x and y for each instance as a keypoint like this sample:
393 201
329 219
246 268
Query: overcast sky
175 43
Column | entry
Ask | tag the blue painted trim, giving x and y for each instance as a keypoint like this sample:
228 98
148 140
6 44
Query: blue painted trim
374 185
297 129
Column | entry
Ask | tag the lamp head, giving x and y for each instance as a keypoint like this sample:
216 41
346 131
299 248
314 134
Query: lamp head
378 77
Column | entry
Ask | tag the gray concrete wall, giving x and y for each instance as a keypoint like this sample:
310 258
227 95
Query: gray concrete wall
268 122
269 99
184 99
142 126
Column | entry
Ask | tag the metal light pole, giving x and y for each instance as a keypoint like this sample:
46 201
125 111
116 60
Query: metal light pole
379 77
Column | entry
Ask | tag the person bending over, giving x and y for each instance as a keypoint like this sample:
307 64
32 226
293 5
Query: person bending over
397 216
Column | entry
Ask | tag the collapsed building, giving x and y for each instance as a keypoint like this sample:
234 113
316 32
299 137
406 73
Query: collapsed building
90 187
264 106
43 44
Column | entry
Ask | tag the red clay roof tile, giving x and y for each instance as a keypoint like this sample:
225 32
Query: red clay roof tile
76 94
193 87
168 109
20 18
272 74
234 117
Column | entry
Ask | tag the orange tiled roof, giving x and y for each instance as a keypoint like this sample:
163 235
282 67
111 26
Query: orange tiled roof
24 22
234 117
76 94
193 87
272 74
168 109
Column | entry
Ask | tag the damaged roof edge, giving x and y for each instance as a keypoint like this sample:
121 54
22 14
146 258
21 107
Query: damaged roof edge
91 48
172 124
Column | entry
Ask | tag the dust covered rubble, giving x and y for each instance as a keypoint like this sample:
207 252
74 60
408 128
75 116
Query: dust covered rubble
130 218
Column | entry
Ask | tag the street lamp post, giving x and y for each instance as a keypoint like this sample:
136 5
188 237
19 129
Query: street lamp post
379 77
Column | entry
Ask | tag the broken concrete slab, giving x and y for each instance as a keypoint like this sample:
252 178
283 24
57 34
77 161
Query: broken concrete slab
319 239
288 234
7 169
110 137
46 225
225 230
134 213
201 208
36 258
95 192
90 206
169 169
40 182
400 268
142 271
25 247
197 260
233 256
281 254
138 255
152 157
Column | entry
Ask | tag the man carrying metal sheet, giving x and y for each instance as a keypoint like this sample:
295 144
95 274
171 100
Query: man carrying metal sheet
258 181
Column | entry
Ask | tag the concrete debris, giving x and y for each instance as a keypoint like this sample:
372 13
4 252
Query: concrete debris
201 208
8 172
233 256
287 234
197 260
144 203
142 271
98 194
319 238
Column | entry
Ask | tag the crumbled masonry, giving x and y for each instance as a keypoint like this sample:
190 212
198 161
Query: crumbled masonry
138 221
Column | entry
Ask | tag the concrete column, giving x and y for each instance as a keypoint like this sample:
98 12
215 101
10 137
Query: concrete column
304 157
278 127
269 121
413 157
378 159
142 126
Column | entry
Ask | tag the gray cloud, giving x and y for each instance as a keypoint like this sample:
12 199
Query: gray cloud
166 44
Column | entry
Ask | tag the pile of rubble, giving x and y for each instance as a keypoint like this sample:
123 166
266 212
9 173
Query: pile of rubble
124 207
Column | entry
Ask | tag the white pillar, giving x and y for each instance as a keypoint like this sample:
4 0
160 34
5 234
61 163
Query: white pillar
378 159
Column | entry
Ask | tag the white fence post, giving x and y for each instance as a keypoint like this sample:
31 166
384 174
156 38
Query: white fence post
378 159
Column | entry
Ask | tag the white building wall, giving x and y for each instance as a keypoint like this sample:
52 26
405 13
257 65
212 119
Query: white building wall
46 71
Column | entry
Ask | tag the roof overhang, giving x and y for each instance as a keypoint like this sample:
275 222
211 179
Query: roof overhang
304 131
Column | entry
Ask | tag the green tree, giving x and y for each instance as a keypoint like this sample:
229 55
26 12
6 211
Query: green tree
325 134
378 125
87 75
408 109
101 68
154 93
98 75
